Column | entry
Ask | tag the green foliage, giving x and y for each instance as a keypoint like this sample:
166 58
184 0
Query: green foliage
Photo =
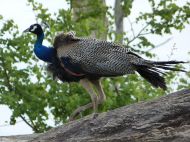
166 15
126 5
31 93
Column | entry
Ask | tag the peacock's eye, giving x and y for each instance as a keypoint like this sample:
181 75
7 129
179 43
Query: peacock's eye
33 28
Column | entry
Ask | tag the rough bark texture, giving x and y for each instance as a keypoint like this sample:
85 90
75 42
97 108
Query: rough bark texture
166 119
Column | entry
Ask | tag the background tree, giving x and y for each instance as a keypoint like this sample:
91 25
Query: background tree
29 90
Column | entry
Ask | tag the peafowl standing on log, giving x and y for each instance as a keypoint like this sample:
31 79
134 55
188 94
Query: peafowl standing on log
86 60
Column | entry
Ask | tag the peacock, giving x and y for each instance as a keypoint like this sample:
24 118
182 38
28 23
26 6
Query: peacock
87 60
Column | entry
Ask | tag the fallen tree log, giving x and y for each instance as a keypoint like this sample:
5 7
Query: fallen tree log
164 119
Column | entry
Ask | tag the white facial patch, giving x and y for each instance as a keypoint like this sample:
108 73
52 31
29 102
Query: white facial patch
33 28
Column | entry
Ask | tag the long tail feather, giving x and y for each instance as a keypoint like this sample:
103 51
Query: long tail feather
153 71
168 62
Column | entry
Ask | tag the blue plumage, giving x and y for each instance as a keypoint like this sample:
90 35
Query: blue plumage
42 52
61 69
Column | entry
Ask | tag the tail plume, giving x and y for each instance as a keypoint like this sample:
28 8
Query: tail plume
153 71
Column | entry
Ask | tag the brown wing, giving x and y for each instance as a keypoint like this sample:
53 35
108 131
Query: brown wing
64 39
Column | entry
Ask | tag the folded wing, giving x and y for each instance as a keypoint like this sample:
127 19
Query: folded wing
92 56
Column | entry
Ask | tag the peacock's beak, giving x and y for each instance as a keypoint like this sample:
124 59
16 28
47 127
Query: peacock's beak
27 30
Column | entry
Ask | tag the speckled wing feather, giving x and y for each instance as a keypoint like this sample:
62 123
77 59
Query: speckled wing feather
95 56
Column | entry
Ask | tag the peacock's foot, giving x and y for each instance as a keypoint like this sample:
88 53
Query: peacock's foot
79 110
95 115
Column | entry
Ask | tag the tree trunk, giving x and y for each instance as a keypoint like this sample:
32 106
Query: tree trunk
93 15
118 12
166 119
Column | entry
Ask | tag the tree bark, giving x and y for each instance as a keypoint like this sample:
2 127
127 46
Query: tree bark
166 119
118 12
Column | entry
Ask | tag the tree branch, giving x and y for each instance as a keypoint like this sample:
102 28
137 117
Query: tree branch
30 125
140 33
163 119
131 26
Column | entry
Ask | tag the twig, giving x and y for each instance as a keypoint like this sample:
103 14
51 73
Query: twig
139 34
166 41
161 44
31 125
131 25
116 89
172 51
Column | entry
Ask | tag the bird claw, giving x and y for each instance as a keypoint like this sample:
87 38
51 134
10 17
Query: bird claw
79 110
95 115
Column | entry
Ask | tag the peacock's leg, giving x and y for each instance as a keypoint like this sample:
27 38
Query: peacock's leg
89 88
100 91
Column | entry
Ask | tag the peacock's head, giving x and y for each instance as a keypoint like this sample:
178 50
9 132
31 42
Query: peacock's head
35 28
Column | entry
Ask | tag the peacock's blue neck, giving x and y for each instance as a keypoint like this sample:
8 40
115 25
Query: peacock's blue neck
39 40
42 52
